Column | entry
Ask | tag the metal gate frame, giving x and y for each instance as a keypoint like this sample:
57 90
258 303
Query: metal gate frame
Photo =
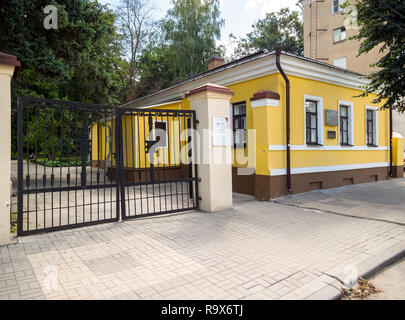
82 185
120 184
191 180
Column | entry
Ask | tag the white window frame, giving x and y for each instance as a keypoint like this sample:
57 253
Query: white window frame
167 135
375 132
340 9
350 125
319 101
340 34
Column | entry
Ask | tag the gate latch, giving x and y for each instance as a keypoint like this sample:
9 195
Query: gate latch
150 143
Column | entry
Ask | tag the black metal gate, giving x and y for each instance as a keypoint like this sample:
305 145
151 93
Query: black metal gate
81 164
157 168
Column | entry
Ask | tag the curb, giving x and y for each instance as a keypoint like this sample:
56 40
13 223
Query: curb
366 267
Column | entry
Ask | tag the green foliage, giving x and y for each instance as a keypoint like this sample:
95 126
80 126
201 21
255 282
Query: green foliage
282 29
80 60
64 163
190 28
382 25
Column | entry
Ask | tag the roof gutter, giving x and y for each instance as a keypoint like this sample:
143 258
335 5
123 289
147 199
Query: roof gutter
287 95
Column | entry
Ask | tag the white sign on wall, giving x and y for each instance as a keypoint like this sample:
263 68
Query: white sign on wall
220 131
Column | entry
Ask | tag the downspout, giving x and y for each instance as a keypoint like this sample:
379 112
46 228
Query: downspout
390 142
287 95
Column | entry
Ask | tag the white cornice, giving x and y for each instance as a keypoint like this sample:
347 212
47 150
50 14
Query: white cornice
262 66
265 102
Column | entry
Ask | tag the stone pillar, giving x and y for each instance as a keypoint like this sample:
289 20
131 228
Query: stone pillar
262 102
397 155
215 162
7 66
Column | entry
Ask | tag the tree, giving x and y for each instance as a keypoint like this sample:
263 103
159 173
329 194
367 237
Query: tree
191 28
73 62
282 29
137 26
382 25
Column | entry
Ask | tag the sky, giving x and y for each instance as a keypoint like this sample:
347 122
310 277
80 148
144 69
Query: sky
239 15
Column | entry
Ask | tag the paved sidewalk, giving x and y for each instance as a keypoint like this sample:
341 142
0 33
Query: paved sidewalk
391 281
384 200
259 250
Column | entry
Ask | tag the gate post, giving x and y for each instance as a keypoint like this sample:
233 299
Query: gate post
7 66
211 104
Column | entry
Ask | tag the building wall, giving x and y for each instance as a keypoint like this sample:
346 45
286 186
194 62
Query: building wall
313 167
319 23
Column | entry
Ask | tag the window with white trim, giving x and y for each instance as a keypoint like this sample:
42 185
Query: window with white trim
239 124
346 123
337 6
339 34
313 120
371 126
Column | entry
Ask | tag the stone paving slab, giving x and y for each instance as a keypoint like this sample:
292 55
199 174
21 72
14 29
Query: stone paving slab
258 250
384 200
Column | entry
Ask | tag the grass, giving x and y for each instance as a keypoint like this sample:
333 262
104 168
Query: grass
63 162
13 222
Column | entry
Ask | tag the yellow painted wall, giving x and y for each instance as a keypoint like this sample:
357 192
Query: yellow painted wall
135 132
269 123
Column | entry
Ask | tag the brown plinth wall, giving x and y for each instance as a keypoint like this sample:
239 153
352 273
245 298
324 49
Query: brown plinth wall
397 171
268 187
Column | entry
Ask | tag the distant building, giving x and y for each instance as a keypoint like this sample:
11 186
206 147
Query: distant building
326 38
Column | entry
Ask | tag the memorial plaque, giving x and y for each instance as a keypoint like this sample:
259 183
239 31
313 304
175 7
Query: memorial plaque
331 117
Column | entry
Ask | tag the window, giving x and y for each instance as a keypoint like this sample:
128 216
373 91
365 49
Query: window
337 6
339 34
160 133
313 118
311 122
371 126
340 62
239 124
344 125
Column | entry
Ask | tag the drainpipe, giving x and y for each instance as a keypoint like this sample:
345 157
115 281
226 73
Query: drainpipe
390 142
287 95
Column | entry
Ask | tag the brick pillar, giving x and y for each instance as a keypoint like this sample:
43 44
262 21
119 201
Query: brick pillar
211 103
7 66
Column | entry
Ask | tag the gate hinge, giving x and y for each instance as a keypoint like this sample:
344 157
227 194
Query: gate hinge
199 179
199 198
197 121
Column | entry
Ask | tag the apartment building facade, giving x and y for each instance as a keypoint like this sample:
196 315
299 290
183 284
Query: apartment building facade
326 36
327 32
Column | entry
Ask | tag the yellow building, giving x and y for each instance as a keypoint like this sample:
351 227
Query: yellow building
335 137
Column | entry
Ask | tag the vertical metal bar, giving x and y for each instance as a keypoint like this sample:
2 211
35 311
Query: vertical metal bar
146 163
190 166
119 163
126 167
52 159
195 155
28 171
133 153
139 157
60 164
20 166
